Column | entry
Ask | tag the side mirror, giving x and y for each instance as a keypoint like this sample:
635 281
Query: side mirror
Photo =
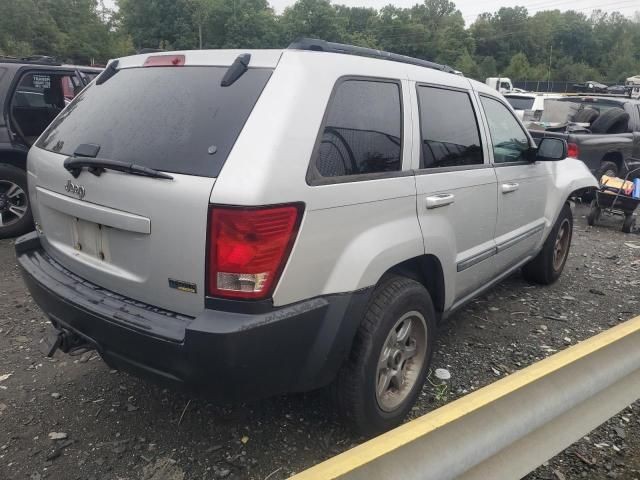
551 149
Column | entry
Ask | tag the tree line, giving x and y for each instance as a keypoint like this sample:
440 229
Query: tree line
574 45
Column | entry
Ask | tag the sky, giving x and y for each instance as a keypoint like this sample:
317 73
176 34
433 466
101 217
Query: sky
471 8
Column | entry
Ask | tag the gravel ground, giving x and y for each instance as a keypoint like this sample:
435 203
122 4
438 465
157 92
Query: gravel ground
113 426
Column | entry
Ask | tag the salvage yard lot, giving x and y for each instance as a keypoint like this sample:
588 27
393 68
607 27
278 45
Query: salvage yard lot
114 426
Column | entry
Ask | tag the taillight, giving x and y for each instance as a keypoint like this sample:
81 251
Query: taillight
165 61
572 150
248 249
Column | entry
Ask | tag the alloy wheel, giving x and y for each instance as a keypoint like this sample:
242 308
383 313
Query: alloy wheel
561 247
401 360
13 203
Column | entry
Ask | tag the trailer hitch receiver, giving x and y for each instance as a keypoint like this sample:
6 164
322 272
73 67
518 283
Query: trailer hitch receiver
64 340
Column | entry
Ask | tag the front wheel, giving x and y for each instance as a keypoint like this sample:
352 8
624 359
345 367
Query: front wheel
390 357
547 266
15 211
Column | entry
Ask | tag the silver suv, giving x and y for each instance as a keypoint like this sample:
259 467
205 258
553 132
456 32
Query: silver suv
252 223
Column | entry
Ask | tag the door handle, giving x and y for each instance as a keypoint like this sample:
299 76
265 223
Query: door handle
510 187
440 200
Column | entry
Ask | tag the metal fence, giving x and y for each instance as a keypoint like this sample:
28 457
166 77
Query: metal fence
507 429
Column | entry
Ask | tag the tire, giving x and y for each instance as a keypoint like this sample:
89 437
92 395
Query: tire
355 389
594 214
614 120
547 266
586 115
606 168
628 224
15 209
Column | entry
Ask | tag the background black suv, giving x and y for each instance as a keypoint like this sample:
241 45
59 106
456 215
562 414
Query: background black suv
33 91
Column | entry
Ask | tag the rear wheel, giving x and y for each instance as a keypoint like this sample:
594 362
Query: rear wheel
594 213
607 168
547 266
629 223
390 357
15 211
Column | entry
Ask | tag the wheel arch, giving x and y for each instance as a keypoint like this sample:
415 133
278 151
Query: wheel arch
614 157
580 194
428 271
571 179
14 158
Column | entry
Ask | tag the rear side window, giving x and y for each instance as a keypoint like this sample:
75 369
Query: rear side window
450 136
177 120
362 131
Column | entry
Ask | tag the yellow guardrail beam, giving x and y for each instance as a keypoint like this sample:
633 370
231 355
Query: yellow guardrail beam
506 429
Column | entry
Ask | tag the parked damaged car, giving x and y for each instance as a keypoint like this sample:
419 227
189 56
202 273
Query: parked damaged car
33 92
601 131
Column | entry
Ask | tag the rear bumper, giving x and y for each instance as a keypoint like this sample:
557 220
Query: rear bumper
233 356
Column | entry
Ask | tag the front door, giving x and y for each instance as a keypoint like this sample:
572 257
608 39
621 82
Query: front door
522 186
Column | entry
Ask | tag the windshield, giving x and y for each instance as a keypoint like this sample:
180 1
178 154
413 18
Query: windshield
520 103
177 120
563 110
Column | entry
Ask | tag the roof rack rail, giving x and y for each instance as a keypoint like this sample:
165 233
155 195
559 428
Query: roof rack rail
32 59
150 50
317 45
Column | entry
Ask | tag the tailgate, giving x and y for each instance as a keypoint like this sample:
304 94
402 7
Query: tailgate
138 236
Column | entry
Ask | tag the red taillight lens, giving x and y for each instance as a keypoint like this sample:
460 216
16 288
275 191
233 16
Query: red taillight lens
165 61
248 248
572 150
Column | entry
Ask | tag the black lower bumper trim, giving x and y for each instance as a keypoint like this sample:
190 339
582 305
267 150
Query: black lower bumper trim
231 355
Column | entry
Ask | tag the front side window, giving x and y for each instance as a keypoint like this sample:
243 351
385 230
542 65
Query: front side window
510 143
362 132
449 129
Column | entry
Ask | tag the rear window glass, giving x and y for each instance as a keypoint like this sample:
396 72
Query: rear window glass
178 120
561 110
90 75
520 103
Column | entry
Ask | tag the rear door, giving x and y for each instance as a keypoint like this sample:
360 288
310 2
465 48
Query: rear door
141 237
522 186
38 97
456 187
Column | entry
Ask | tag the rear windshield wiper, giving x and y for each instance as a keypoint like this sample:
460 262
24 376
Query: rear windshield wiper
99 165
